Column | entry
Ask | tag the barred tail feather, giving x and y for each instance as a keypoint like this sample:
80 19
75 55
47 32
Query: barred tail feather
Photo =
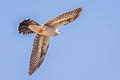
23 26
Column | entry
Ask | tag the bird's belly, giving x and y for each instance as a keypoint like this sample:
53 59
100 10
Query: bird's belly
47 31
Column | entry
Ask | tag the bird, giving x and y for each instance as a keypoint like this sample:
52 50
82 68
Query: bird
43 34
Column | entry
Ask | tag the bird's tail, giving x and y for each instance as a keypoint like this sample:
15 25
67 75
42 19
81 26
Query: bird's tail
23 26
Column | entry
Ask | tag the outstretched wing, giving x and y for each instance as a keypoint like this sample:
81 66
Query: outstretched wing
40 48
64 18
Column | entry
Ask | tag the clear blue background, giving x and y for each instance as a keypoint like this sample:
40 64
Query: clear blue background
88 49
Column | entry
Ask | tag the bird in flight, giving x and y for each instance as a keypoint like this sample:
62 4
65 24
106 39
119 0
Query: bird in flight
43 34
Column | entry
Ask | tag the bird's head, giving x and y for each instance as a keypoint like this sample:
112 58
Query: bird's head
57 31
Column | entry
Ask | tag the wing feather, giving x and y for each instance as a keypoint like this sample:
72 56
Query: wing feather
40 48
64 19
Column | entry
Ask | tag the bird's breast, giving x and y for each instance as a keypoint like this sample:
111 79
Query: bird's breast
48 31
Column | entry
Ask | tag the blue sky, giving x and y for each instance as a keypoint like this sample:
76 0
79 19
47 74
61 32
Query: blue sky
88 49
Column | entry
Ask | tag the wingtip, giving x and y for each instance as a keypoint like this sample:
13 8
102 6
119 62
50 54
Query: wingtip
30 73
79 9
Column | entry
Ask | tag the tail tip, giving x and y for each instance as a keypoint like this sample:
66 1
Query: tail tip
23 26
